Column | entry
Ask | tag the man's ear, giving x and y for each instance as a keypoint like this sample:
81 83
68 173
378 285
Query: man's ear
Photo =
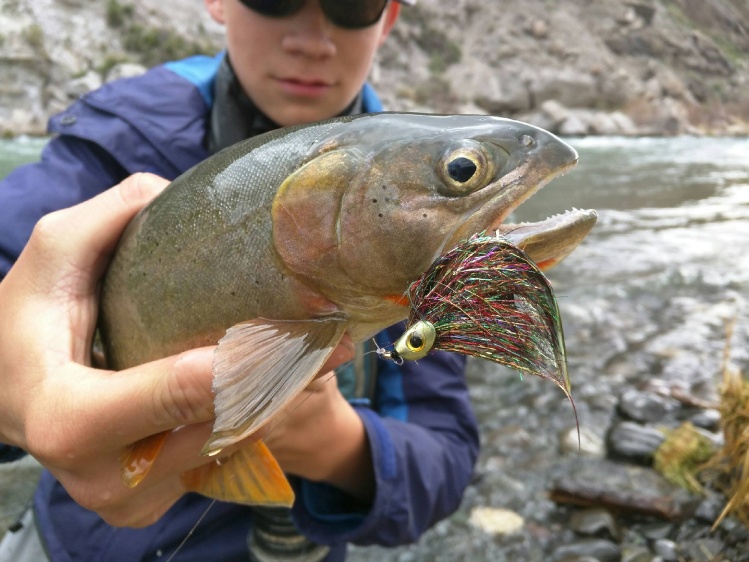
391 14
216 9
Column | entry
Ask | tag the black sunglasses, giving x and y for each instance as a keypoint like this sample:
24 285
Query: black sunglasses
351 14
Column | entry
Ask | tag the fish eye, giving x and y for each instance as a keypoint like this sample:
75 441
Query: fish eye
466 168
417 341
461 169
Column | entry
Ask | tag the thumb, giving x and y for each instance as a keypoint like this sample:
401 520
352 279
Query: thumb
143 400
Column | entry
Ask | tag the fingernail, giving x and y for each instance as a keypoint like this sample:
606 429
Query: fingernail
200 359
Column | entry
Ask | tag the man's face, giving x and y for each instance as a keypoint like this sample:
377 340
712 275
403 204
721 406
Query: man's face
302 67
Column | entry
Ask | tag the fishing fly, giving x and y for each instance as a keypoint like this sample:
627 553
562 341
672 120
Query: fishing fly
488 299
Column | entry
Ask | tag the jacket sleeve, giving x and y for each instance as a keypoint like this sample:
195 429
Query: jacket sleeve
424 443
71 170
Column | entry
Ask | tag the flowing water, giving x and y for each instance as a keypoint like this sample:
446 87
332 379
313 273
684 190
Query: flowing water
644 299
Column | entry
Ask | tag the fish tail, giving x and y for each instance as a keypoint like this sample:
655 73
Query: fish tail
250 476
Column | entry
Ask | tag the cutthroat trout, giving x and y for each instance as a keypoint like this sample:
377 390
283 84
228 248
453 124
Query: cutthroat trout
291 239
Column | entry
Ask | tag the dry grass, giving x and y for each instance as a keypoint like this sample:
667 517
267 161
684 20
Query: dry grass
682 454
729 468
687 457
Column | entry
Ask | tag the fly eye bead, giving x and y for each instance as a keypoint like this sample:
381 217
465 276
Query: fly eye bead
417 341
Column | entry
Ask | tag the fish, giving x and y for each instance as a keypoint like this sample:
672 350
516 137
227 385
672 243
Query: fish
279 245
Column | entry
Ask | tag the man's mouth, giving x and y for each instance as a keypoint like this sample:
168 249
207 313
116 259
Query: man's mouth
304 87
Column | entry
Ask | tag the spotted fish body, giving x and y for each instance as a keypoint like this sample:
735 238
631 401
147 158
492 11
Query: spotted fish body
293 238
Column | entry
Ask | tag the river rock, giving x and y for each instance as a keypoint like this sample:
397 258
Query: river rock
125 70
585 442
496 521
490 88
736 531
643 9
706 419
637 553
666 549
539 29
595 523
657 531
615 486
588 549
703 550
710 508
83 84
634 441
645 407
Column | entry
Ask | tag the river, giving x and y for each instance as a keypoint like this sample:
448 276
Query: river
644 301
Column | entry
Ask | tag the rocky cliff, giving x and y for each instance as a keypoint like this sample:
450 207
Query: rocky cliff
660 67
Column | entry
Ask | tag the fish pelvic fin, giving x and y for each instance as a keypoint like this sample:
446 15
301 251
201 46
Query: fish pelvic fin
250 476
260 366
139 458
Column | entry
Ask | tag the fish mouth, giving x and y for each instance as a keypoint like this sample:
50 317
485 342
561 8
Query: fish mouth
549 241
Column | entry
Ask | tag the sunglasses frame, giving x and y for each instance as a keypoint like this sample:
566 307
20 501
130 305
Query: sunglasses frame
289 7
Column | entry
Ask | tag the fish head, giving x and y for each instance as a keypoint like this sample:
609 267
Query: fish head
380 199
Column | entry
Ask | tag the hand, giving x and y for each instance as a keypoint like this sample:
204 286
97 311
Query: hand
321 437
78 420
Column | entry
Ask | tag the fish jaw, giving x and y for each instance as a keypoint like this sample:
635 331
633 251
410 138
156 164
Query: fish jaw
549 241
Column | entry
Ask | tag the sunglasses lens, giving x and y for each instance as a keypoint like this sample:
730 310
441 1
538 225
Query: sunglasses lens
273 8
353 14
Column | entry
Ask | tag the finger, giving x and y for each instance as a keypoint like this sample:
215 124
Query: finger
138 507
84 235
120 408
181 452
158 396
344 352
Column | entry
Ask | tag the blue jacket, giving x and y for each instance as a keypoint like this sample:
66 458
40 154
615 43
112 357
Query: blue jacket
420 425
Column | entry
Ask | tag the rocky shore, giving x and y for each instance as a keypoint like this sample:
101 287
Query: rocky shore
641 67
656 518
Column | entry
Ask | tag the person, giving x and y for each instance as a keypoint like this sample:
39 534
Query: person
377 458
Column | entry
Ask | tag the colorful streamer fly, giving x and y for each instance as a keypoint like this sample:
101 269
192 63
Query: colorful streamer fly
486 298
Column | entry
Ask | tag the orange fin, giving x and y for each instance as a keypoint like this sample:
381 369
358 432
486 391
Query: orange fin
260 366
139 458
250 476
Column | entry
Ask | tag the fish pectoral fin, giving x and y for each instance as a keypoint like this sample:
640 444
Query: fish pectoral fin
260 366
139 458
250 476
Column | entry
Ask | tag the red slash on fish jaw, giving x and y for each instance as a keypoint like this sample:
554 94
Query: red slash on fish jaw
400 300
545 265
